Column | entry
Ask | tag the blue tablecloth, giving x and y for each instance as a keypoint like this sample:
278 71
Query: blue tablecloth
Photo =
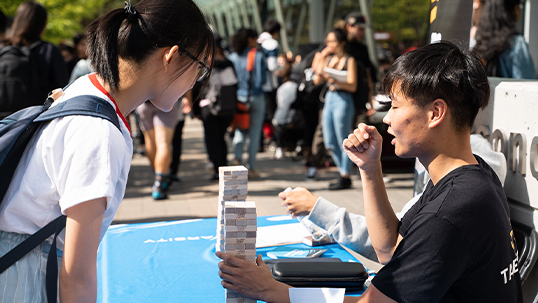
170 261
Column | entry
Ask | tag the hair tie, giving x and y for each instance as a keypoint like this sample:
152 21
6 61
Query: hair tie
130 11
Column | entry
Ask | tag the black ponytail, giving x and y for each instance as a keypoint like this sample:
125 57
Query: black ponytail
103 46
134 37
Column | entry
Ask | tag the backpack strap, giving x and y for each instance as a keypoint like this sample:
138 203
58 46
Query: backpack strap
86 105
54 227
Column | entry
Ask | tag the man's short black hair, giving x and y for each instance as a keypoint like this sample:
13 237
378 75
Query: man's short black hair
442 71
271 26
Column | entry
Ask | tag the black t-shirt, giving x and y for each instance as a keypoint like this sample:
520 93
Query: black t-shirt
457 244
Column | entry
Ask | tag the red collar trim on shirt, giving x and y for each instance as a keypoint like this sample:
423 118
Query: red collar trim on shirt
95 82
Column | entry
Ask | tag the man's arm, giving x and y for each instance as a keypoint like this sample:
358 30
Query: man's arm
78 274
363 147
346 228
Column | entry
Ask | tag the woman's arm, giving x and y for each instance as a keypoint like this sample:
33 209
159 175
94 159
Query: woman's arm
78 275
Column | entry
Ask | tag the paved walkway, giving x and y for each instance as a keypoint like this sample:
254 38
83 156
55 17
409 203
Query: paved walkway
196 196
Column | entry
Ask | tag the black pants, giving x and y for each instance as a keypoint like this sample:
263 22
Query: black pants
214 130
176 148
287 136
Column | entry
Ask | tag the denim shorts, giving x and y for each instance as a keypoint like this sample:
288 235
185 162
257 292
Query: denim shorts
24 281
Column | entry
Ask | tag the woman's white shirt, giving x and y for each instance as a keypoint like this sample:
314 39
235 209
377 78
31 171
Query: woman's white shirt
71 160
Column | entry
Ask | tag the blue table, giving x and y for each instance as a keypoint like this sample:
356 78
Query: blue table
170 261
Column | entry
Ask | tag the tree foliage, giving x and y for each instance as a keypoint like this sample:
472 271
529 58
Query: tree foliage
404 19
66 17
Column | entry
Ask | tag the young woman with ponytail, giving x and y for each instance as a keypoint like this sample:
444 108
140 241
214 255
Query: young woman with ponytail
78 165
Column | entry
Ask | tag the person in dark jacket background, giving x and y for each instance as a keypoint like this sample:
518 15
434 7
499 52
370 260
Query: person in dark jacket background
27 30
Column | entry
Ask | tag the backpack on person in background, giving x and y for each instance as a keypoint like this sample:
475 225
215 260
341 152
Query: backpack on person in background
19 78
241 118
222 90
308 93
16 131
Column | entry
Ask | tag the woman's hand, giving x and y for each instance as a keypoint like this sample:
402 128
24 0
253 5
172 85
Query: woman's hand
78 274
363 146
299 201
251 280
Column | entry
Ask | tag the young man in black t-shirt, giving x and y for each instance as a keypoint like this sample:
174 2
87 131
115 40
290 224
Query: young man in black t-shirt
456 243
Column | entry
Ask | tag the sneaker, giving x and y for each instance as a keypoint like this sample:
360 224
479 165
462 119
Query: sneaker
160 187
159 195
311 172
279 153
342 183
236 161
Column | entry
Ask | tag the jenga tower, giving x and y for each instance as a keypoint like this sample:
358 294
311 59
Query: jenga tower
236 222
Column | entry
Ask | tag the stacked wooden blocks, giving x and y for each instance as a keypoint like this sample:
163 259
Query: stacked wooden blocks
237 223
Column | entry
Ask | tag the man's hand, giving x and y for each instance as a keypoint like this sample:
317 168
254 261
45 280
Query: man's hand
363 146
299 201
251 280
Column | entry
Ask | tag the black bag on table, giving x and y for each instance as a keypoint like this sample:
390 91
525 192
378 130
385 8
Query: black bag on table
317 273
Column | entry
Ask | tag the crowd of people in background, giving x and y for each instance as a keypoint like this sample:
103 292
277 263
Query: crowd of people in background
299 105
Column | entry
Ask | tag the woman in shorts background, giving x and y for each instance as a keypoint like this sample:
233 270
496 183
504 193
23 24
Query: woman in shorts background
158 129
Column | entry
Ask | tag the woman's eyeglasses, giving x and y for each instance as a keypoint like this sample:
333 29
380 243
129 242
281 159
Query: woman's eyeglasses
203 69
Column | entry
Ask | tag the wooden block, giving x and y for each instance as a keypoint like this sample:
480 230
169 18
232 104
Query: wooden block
241 240
241 222
232 192
233 169
225 182
233 197
230 294
241 228
233 178
233 187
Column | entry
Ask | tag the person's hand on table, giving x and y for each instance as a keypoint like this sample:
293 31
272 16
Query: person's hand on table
299 202
251 280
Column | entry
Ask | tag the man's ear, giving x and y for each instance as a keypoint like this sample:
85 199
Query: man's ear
439 112
169 55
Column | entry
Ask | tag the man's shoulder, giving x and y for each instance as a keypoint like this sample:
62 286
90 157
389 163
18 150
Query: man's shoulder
469 187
